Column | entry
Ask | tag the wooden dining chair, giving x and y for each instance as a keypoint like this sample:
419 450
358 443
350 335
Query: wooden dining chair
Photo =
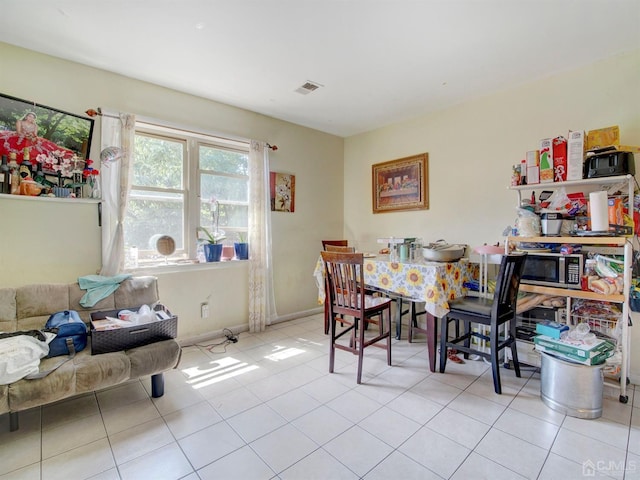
490 312
339 248
346 294
334 246
336 243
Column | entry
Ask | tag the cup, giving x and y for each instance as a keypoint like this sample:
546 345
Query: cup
404 252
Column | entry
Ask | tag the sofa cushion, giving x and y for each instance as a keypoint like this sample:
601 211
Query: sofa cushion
4 399
94 372
135 292
7 309
75 295
59 384
37 302
153 358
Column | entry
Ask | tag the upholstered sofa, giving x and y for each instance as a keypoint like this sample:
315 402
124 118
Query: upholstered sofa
28 307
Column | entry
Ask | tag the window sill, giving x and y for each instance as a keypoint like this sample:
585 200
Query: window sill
185 267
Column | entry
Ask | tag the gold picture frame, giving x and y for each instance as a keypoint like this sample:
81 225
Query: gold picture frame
401 185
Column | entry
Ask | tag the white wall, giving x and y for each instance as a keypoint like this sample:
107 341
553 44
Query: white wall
473 146
314 157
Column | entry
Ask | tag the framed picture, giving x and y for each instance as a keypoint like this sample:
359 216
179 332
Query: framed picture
49 136
283 192
401 184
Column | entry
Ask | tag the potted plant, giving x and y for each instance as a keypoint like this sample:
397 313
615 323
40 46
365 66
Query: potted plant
211 244
241 247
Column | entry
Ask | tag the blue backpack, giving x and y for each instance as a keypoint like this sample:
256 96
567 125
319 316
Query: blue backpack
71 333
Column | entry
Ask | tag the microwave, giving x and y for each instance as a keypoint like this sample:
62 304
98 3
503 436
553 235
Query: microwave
553 270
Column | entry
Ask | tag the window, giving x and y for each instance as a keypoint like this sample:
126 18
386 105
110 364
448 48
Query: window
178 180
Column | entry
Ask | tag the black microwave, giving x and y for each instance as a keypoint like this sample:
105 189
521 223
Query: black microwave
553 270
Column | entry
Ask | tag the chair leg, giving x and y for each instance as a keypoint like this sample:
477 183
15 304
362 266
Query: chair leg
332 343
514 349
388 336
444 327
495 361
360 348
326 317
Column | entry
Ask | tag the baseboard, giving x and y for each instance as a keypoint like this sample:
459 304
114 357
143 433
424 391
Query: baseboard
294 316
212 335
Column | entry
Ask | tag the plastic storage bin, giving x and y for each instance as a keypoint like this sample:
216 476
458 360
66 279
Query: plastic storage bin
570 388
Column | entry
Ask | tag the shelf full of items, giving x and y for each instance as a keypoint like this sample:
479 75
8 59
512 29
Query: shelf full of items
586 210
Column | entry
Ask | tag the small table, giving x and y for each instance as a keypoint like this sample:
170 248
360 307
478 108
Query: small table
434 283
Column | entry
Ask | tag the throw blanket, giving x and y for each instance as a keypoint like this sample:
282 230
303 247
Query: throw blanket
99 287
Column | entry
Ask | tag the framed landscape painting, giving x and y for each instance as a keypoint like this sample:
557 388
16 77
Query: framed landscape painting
401 184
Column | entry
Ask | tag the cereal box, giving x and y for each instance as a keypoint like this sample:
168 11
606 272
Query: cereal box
559 151
575 155
546 160
603 137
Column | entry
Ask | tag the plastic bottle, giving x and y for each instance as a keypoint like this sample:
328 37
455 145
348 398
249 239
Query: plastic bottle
5 176
589 274
14 173
133 255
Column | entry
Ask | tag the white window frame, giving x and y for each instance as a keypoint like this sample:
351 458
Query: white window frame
191 179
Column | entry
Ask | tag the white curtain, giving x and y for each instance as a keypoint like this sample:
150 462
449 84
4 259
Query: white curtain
262 305
118 130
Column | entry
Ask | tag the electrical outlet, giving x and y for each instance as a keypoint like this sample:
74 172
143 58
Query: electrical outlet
204 310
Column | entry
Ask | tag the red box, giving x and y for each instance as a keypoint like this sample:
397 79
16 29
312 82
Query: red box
560 159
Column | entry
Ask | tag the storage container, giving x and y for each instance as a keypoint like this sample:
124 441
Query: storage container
570 388
113 340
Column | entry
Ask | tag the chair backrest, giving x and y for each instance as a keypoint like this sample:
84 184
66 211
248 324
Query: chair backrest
337 243
344 273
337 248
507 285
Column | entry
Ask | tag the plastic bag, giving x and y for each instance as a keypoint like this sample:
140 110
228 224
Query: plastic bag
527 223
20 356
559 201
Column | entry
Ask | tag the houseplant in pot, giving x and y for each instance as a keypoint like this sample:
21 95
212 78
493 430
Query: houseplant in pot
211 243
241 247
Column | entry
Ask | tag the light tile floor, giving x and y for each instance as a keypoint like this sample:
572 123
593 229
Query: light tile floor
267 408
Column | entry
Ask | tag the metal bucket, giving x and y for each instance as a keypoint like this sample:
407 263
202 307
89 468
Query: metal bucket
570 388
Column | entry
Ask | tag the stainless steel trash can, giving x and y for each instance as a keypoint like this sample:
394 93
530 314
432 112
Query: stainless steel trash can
570 388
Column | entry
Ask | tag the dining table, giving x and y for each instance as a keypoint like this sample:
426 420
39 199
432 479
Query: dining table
434 283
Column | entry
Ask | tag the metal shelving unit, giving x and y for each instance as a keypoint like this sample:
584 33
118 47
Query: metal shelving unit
623 243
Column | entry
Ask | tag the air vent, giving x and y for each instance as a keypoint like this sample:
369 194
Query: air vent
308 87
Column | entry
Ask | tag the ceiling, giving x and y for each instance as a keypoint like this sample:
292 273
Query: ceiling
377 62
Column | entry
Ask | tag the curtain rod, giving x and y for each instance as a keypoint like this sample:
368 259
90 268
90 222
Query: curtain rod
98 112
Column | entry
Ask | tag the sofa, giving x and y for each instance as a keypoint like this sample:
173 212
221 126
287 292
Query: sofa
28 307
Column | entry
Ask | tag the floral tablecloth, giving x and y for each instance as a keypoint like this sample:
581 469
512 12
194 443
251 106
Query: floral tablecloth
434 283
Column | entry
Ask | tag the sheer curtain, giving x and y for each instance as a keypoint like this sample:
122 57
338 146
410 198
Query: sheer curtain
262 305
118 130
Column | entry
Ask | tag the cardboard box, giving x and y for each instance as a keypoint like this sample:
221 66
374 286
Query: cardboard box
616 214
597 359
559 151
105 338
533 158
576 350
551 329
575 155
546 160
533 175
603 137
628 148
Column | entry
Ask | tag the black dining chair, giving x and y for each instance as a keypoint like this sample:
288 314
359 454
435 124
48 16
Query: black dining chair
488 312
346 297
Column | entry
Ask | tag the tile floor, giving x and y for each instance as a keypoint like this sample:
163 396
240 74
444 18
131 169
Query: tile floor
267 408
